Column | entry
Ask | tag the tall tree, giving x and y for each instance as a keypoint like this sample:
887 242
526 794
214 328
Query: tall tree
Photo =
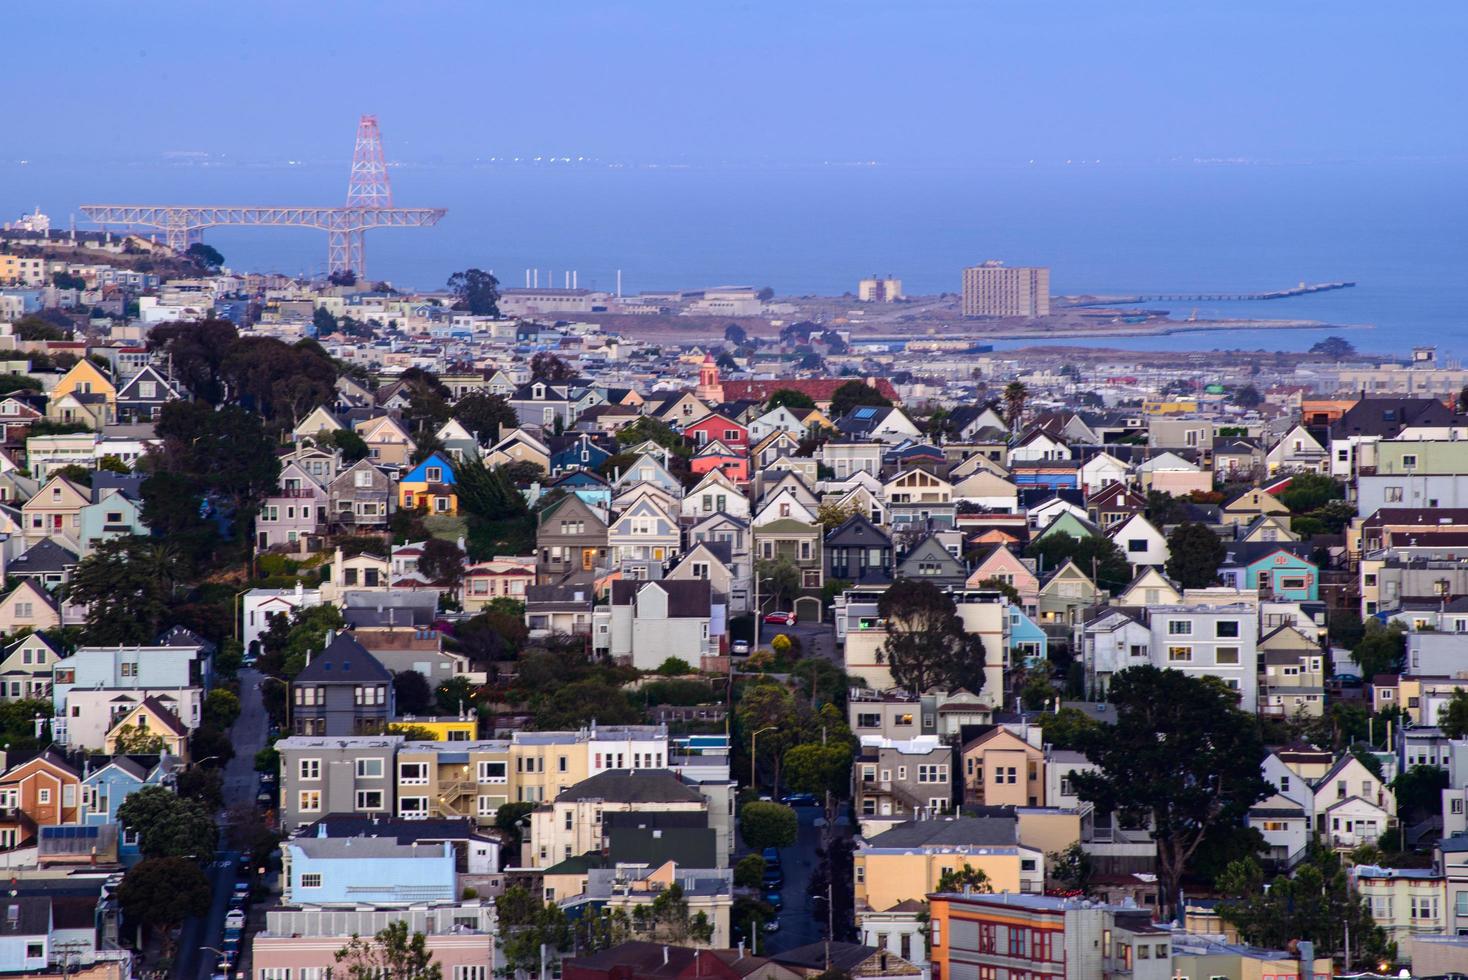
207 256
926 645
1182 754
1194 554
550 367
394 952
168 825
1452 717
476 291
1015 396
486 415
1098 557
195 352
225 453
160 893
763 825
1317 904
127 585
283 382
854 393
790 398
1382 649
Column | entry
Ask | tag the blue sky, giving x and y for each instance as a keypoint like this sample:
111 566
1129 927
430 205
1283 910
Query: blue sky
932 82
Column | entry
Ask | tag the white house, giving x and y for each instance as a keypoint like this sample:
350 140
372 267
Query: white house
1210 641
258 605
1141 542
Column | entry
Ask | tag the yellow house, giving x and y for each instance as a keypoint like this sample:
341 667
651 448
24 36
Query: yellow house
447 729
907 862
388 443
140 729
1169 406
1002 769
430 486
85 378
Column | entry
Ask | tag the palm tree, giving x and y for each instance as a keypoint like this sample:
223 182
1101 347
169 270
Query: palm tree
1015 394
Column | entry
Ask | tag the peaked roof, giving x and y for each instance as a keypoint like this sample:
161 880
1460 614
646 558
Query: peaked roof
344 661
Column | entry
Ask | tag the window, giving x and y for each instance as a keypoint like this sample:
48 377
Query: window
1455 806
310 801
1284 784
369 799
1226 629
1179 655
493 772
868 720
413 773
1393 495
311 880
413 806
1136 545
1461 904
369 768
1409 460
1227 655
310 769
471 971
34 951
937 924
1179 627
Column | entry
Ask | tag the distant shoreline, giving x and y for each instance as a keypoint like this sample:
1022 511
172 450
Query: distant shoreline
1172 327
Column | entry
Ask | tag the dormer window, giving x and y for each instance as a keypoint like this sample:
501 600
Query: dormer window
434 474
540 392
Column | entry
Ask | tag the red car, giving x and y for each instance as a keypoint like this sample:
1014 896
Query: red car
781 618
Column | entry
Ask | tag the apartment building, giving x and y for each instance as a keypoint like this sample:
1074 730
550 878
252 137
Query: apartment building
993 289
1210 641
387 775
906 862
320 775
985 937
572 825
899 780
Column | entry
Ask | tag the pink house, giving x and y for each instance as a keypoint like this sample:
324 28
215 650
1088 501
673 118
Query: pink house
276 957
1004 565
717 455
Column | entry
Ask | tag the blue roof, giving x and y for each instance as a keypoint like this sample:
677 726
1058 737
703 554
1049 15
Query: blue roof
419 473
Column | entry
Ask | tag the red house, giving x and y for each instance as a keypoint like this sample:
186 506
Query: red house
717 455
716 427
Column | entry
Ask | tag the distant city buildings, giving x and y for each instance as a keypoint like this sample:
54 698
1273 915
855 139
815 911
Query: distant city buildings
879 290
992 289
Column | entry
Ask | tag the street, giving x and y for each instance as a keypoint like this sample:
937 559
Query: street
798 922
240 786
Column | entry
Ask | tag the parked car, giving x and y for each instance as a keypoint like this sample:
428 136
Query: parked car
773 899
771 856
740 648
800 799
772 926
1348 680
780 618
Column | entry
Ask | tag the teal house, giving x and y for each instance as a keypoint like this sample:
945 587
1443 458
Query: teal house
1279 570
1028 644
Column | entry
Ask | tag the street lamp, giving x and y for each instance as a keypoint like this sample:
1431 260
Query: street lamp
753 763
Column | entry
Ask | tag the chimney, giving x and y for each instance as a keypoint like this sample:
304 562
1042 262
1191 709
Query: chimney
330 637
665 956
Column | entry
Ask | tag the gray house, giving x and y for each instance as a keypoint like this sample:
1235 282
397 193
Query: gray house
648 622
361 497
343 690
930 561
572 537
319 776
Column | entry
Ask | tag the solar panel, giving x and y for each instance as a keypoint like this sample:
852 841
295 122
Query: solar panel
865 413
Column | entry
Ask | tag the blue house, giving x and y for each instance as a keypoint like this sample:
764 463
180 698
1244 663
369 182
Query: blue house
581 454
104 789
1028 643
592 489
325 870
1278 569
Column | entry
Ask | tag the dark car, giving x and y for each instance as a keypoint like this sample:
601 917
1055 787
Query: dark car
771 856
800 799
773 898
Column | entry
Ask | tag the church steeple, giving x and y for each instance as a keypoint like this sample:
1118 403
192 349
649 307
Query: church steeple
709 389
